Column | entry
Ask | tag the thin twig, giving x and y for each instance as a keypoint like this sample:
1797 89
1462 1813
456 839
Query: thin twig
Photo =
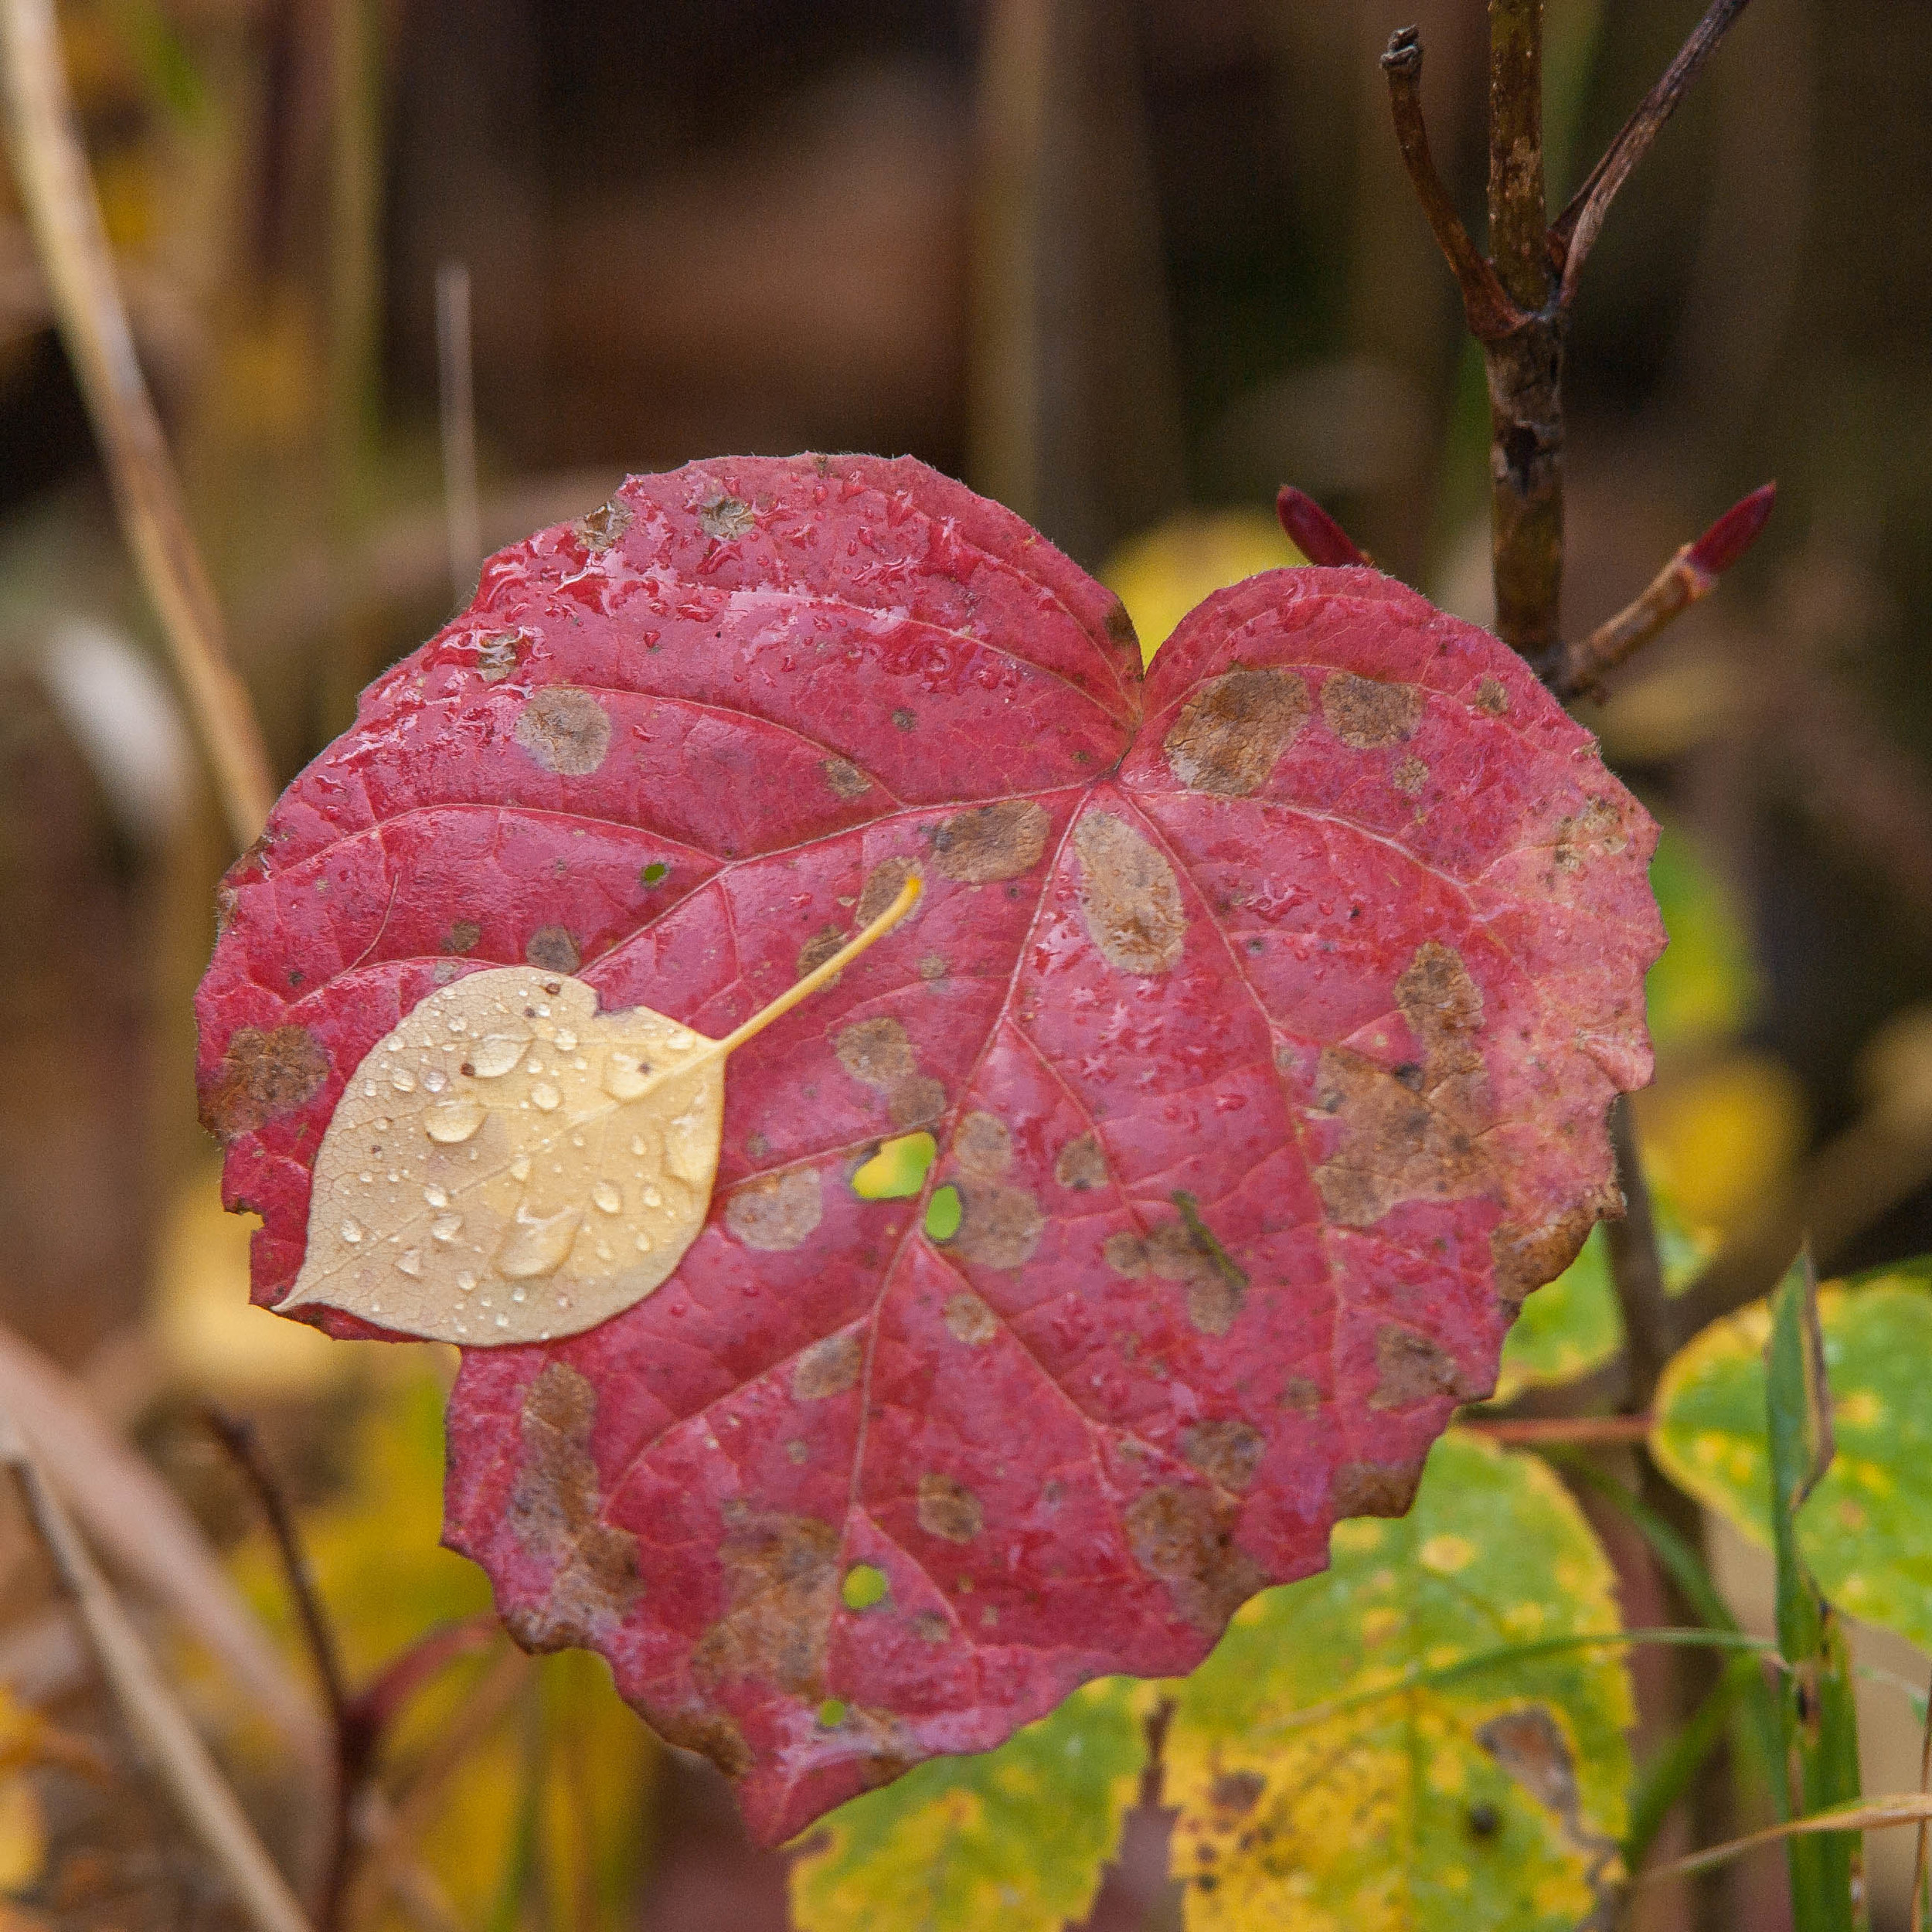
1574 232
456 396
1637 1269
1490 313
50 166
179 1758
1692 573
1920 1901
1868 1815
1530 1432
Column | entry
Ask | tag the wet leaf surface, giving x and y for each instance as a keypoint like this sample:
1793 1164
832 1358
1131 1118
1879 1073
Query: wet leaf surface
1263 1015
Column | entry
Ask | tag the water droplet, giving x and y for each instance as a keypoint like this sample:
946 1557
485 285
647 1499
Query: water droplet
543 1334
565 1041
352 1232
604 1251
608 1197
502 1320
382 1127
402 1079
394 1175
394 1044
466 1281
449 1121
644 1244
682 1041
543 1012
520 1168
536 1065
625 1077
436 1197
409 1262
436 1080
495 1055
458 1023
445 1227
652 1198
637 1143
538 1243
546 1097
576 1139
581 1064
369 1089
365 1178
376 1307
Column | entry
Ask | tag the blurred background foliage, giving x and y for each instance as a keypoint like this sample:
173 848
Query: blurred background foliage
1126 264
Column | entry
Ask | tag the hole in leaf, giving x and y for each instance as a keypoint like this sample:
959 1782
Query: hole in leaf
863 1586
897 1169
831 1712
942 1214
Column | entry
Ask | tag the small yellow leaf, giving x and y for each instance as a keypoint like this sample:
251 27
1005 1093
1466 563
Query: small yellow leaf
511 1164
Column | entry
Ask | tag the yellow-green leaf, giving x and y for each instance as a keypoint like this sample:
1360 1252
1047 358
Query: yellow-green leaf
1866 1531
1015 1838
1704 986
1494 1800
1163 574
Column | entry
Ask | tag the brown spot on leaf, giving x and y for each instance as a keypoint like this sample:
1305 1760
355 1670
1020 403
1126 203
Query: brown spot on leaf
777 1212
1492 697
948 1508
1525 1258
462 936
604 526
1368 714
918 1102
1411 1368
1081 1164
496 656
828 1368
930 1628
1227 1451
565 730
554 1514
844 777
999 1226
1410 776
1186 1250
1443 1005
1119 625
1373 1488
553 949
932 966
1185 1537
877 1053
262 1074
781 1582
991 843
1595 832
881 888
969 1320
1529 1745
1237 1791
1396 1145
982 1146
725 517
819 948
1232 730
1302 1394
710 1734
1129 897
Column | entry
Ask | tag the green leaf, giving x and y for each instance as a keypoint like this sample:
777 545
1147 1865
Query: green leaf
1866 1531
897 1170
1493 1799
1015 1838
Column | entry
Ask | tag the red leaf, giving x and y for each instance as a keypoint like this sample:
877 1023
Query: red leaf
1268 1040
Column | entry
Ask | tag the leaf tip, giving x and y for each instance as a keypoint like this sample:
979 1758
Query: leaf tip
1313 532
1734 533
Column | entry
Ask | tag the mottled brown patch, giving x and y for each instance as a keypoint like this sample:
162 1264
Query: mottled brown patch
932 966
969 1320
1185 1537
1409 777
555 1514
1529 1746
1186 1250
819 948
1237 1791
1367 714
710 1734
1129 897
261 1074
999 1226
1411 1368
1373 1488
777 1212
1120 626
1597 832
1443 1005
982 1146
881 888
496 656
1492 697
565 730
1227 1451
930 1628
604 526
725 517
1081 1164
992 841
948 1508
844 777
781 1583
1525 1258
1397 1145
828 1368
1232 730
463 936
553 949
877 1053
1302 1394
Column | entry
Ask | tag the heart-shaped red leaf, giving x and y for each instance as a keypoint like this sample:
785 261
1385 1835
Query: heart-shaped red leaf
1265 1015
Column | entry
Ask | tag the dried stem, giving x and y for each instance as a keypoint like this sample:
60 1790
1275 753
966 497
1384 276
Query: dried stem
1574 232
179 1758
1533 1432
1692 573
50 168
1921 1904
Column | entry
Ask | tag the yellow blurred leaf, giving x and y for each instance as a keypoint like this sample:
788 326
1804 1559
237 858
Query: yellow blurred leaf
1720 1136
1162 574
